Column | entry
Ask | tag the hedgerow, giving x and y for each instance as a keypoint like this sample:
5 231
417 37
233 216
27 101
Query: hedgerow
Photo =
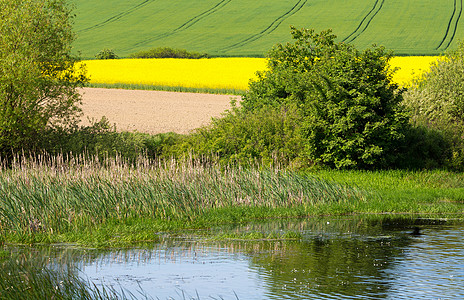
167 52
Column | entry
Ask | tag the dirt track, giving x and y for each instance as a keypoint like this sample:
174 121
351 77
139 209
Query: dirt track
152 111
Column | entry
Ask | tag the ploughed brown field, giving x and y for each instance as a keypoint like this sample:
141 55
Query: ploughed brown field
152 111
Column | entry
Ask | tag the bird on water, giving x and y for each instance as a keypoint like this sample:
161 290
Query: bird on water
416 231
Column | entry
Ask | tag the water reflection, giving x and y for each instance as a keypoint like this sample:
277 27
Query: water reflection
345 258
432 265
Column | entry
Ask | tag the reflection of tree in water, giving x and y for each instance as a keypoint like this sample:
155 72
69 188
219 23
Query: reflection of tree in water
333 265
338 258
341 266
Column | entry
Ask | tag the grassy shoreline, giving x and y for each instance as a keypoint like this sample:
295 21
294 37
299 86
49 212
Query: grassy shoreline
113 203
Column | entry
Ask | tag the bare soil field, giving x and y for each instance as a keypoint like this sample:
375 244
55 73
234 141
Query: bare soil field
152 111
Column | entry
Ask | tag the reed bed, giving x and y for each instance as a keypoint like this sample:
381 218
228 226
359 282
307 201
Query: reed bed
59 194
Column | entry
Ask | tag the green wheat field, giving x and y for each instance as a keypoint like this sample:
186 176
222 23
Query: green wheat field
251 28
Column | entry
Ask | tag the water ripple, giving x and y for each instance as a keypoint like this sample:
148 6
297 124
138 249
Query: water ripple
377 262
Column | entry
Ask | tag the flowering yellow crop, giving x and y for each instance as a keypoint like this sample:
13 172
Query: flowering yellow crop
410 67
213 73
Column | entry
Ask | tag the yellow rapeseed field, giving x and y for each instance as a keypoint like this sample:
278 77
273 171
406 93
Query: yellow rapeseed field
213 73
410 67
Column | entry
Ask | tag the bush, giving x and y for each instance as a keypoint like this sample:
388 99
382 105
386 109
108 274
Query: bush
106 54
323 103
265 136
436 102
165 52
102 140
350 108
424 148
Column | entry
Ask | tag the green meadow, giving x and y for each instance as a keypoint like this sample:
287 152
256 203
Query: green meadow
251 28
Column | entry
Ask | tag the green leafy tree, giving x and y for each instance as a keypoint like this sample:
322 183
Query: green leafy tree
351 112
38 74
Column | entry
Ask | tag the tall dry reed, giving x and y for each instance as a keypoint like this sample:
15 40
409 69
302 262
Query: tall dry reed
56 194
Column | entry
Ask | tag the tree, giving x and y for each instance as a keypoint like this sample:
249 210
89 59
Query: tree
38 74
351 112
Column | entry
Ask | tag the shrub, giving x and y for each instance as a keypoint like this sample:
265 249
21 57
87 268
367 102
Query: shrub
102 140
106 54
436 102
165 52
265 136
350 108
424 148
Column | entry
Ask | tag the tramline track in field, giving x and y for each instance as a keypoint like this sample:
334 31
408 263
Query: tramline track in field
118 16
452 26
203 15
365 22
189 23
273 26
250 28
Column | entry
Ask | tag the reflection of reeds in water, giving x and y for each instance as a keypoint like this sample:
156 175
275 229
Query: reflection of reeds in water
31 278
53 274
57 194
173 252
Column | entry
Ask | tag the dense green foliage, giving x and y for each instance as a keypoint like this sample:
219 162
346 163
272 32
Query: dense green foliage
166 52
102 140
436 102
267 136
351 117
38 79
106 54
250 28
319 103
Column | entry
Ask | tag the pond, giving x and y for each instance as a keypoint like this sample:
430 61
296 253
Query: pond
336 258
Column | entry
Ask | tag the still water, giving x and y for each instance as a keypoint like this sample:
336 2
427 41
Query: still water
344 258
